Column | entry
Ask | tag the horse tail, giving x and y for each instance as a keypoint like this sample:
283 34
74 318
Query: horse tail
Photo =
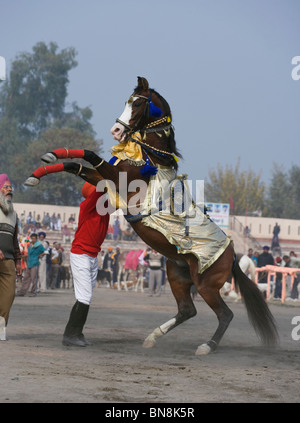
258 311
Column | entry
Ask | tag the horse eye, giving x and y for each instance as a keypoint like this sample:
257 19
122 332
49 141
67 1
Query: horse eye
137 103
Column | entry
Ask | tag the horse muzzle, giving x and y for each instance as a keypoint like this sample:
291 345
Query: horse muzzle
118 132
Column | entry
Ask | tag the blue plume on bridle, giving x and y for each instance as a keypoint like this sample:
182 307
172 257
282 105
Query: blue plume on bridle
153 110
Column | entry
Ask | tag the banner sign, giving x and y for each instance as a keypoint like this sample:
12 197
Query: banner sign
219 213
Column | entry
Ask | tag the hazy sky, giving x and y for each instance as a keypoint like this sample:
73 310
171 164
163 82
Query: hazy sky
224 66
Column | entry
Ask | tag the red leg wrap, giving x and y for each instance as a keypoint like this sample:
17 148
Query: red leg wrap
65 153
44 170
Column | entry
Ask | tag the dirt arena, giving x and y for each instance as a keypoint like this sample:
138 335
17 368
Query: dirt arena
36 367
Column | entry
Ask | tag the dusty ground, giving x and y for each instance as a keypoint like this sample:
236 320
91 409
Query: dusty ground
35 367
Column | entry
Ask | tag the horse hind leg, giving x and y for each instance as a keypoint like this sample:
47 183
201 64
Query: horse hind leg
209 287
224 315
180 283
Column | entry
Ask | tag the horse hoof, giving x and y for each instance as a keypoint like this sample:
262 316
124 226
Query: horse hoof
32 181
49 158
148 344
203 349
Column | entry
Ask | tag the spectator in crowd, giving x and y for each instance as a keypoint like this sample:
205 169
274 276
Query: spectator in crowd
42 271
110 232
255 257
54 264
128 233
61 261
10 255
117 229
101 259
247 231
58 222
35 250
264 259
46 222
250 253
22 219
155 261
38 223
24 252
29 218
275 247
66 234
53 222
72 221
89 236
293 262
108 259
115 265
48 266
278 281
276 231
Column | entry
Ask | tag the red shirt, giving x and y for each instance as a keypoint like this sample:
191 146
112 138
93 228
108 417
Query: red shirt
92 227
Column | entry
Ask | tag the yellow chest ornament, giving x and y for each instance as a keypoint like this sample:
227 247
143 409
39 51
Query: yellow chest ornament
130 150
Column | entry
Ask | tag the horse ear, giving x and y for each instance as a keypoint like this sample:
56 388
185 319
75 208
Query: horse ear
143 83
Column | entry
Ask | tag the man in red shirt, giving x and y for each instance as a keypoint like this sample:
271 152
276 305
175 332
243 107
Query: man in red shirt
89 236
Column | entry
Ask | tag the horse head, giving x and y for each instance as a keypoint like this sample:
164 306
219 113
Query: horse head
145 107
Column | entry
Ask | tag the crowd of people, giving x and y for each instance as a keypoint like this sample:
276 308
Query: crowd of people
287 260
148 261
42 265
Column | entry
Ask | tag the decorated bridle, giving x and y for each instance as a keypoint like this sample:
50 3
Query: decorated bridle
149 110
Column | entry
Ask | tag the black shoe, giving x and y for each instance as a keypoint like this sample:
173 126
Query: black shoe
82 337
73 332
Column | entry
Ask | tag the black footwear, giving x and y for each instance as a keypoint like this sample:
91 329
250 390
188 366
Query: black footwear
87 343
74 341
73 331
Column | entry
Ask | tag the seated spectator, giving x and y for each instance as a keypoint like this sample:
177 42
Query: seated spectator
46 221
53 222
38 223
66 234
58 222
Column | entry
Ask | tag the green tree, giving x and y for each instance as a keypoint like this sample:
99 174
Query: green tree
36 90
284 193
33 120
244 188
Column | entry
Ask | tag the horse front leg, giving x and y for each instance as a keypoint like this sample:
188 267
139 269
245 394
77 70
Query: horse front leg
89 175
66 153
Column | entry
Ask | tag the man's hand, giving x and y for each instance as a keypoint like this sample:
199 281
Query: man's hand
1 255
19 269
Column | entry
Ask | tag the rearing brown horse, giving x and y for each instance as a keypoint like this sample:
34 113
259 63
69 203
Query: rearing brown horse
141 178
